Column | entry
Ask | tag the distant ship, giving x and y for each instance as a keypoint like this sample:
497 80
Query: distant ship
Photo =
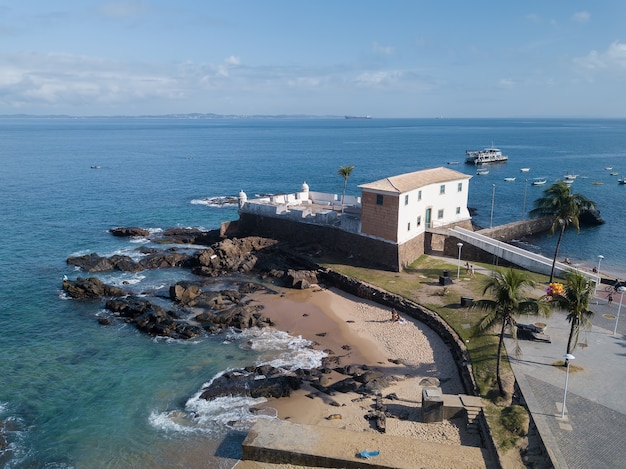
358 117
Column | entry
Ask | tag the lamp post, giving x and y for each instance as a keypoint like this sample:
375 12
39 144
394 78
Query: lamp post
458 269
600 257
493 195
568 357
619 308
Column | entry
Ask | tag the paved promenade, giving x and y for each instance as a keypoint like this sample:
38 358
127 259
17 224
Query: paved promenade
592 433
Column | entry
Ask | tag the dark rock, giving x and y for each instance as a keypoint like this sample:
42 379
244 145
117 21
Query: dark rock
95 263
90 288
104 321
240 383
184 293
301 279
164 260
590 218
153 319
129 232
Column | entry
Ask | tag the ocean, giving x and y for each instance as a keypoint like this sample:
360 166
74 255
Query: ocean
74 394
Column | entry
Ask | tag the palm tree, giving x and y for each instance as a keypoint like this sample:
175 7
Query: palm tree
575 299
345 172
564 208
508 299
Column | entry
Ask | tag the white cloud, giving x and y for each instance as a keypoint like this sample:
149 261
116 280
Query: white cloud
383 50
378 78
614 58
507 83
581 17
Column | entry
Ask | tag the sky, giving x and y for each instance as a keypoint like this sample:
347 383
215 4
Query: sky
384 58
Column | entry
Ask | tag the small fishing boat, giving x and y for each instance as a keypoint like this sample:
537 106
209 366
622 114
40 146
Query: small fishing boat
509 179
454 162
597 183
539 181
569 182
524 170
621 181
609 168
570 176
614 173
482 172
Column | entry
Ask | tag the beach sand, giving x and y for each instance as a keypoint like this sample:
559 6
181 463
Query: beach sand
361 332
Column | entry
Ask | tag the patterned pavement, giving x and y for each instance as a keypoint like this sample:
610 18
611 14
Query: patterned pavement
592 433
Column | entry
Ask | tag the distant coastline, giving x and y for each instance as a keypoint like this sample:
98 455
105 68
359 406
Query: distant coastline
192 115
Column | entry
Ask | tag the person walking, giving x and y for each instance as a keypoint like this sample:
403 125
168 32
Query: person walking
610 299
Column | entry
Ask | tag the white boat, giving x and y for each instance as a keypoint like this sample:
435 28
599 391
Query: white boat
621 181
524 170
482 172
609 168
485 156
570 177
569 182
539 181
509 179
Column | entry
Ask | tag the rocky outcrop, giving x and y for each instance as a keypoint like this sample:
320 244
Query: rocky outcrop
153 319
128 232
590 218
300 279
260 382
90 288
155 260
231 255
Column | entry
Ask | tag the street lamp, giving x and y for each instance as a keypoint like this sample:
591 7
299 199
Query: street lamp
619 308
568 357
600 257
493 194
458 269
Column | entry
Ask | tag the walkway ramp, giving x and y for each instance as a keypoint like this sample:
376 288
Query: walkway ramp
281 442
518 256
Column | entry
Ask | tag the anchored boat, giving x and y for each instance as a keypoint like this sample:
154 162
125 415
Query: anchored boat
485 156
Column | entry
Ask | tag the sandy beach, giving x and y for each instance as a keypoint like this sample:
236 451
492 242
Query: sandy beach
360 332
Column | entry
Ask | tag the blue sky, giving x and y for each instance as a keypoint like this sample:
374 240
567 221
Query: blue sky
385 58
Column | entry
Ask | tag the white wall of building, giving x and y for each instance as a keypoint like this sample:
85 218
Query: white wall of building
412 212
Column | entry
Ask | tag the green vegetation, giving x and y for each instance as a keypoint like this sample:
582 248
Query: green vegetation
345 172
508 291
564 208
575 300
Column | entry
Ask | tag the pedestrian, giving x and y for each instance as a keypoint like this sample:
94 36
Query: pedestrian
610 299
471 271
467 268
395 317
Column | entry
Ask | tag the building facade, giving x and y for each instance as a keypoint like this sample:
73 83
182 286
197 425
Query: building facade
387 225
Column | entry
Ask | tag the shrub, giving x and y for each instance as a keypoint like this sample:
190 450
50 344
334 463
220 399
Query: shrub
516 420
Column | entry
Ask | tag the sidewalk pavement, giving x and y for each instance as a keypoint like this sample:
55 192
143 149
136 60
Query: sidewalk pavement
592 433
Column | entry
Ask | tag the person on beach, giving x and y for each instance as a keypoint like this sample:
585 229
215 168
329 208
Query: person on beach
395 317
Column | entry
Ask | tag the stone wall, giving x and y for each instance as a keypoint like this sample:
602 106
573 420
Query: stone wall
377 252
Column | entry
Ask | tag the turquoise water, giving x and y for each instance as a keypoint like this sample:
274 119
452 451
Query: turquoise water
76 394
